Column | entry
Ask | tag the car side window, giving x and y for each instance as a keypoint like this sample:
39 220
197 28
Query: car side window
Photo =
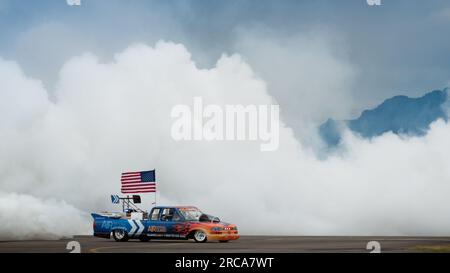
167 214
155 215
176 217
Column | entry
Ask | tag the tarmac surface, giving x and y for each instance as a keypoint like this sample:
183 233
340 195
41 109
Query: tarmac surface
246 244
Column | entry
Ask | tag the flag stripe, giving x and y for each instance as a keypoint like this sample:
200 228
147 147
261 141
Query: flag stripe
130 180
131 173
137 182
137 191
140 187
131 177
136 188
131 189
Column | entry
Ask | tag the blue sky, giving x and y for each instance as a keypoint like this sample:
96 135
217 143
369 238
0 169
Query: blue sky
401 47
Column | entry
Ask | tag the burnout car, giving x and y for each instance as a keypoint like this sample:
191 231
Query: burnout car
164 222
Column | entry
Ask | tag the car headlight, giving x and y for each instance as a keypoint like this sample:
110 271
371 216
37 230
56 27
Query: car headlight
230 228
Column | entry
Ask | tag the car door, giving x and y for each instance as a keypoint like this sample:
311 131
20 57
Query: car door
156 228
172 220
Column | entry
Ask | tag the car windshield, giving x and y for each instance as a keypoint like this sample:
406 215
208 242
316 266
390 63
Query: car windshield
191 214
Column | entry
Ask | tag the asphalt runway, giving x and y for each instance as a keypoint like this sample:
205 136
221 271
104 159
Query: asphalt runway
246 244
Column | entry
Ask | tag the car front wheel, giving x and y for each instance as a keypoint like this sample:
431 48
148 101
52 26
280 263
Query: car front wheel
120 235
200 236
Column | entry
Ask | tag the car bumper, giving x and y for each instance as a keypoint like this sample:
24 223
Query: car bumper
223 237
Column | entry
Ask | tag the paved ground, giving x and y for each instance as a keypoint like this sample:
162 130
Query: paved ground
261 244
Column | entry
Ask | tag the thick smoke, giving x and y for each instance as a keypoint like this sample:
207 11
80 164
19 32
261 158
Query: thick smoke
27 217
294 68
61 158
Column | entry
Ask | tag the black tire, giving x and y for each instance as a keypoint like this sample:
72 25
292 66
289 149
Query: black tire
200 236
223 241
120 235
144 238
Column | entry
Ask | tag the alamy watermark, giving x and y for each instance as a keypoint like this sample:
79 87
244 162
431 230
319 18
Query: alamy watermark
374 2
73 2
374 246
74 247
229 123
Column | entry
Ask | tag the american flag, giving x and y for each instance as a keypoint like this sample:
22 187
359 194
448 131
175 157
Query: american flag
138 182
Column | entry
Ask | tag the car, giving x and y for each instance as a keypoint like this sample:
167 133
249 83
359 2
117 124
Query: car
164 222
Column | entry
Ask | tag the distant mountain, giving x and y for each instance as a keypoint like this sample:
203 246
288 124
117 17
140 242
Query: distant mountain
400 115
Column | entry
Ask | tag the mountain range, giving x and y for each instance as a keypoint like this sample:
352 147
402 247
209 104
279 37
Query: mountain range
399 114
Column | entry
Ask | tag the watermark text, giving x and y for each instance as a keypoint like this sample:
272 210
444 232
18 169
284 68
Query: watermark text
230 123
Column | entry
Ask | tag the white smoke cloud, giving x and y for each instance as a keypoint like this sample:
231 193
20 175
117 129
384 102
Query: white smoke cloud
112 117
294 67
27 217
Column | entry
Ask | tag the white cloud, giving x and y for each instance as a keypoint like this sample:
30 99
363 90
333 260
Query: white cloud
112 117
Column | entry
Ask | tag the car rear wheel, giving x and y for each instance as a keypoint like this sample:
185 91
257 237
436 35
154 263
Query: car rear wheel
200 236
120 235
